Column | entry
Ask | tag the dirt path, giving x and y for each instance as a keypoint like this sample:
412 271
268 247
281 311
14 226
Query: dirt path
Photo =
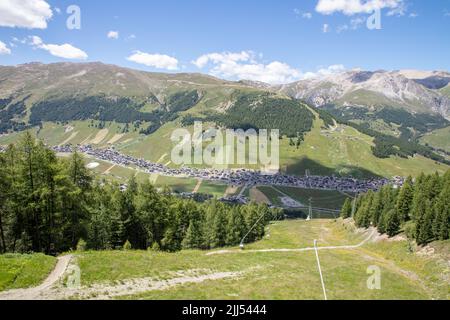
101 291
116 138
107 171
197 187
36 292
298 250
72 136
101 135
259 197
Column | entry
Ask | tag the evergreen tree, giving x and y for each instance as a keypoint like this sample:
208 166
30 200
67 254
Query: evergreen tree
392 223
194 236
404 201
346 211
424 227
235 227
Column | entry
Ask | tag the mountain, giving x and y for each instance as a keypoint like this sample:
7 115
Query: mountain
374 90
136 111
405 104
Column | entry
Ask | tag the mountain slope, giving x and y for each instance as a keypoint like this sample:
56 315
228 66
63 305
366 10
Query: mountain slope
371 90
135 111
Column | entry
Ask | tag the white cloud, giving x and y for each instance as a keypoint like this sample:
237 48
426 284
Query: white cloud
342 28
160 61
242 65
357 22
113 35
224 57
304 15
31 14
354 24
57 10
66 51
333 69
413 15
4 49
325 28
351 7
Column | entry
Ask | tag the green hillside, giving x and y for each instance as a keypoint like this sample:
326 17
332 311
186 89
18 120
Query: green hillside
439 139
268 275
136 112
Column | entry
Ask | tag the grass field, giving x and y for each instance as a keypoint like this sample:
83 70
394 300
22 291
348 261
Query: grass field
320 198
279 275
23 271
346 151
341 150
438 139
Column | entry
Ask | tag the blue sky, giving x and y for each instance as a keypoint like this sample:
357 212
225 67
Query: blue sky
273 41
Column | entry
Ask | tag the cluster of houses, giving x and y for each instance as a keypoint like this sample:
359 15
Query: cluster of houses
238 177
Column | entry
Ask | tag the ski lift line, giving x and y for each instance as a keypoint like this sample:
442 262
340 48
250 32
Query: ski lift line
320 271
251 229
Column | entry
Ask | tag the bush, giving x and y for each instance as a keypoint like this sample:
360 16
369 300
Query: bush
127 246
410 229
155 247
81 245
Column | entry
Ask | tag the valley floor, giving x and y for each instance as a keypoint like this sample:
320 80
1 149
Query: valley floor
273 268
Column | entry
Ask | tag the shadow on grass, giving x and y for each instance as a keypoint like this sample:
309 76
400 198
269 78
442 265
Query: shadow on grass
315 168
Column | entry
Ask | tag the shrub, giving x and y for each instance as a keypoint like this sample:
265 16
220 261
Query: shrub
81 245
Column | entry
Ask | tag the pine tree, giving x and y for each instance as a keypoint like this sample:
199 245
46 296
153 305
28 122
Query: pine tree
235 227
346 211
424 228
404 201
441 225
392 223
194 236
376 208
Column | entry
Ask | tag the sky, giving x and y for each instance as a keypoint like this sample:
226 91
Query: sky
261 40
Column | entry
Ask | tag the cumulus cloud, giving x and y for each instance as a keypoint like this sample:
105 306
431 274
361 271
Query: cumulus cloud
325 28
4 49
244 66
333 69
351 7
30 14
304 15
355 24
224 57
113 35
66 51
160 61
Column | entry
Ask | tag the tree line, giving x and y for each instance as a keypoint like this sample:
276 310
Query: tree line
420 208
54 205
266 111
386 145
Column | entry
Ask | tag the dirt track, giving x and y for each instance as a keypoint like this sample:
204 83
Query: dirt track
36 292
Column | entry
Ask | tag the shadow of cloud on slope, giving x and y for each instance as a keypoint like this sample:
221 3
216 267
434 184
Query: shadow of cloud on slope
315 168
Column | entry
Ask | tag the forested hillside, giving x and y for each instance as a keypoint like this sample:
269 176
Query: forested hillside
51 205
421 208
265 111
